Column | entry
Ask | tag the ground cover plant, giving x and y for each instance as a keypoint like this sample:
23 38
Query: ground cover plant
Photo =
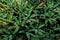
29 19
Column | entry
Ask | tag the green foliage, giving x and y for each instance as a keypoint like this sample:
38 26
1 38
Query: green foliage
29 19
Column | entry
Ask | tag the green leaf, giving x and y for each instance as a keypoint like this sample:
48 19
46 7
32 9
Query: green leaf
10 37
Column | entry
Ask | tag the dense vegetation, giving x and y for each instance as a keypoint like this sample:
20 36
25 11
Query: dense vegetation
29 19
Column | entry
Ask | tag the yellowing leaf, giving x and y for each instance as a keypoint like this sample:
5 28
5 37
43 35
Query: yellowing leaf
2 9
5 5
2 22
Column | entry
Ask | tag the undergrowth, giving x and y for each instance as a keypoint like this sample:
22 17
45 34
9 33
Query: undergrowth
29 20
